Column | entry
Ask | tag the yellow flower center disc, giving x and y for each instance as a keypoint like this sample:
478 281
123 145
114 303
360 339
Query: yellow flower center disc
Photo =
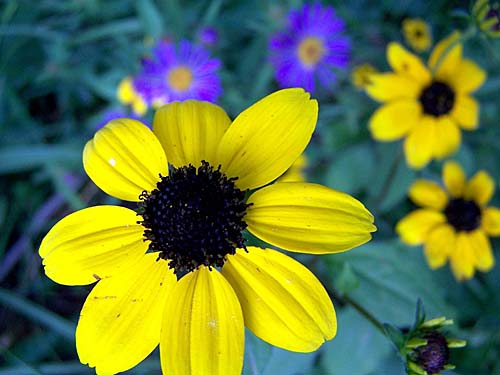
180 78
310 51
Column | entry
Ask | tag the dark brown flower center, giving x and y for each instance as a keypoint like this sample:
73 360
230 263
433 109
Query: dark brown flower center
463 215
437 99
194 217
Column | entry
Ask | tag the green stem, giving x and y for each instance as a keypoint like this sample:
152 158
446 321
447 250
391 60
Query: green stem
470 32
366 314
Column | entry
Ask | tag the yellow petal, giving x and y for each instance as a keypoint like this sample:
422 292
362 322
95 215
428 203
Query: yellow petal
481 247
404 62
390 86
439 244
124 158
92 244
480 188
139 106
308 218
190 131
125 91
462 258
468 78
265 139
419 145
121 319
466 112
428 194
395 119
454 178
283 302
203 330
490 221
448 137
415 226
450 62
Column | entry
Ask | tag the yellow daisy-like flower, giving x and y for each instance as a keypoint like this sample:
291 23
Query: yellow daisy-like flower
360 75
417 34
127 95
177 272
454 224
428 110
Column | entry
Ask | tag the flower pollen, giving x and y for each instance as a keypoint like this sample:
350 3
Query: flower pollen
437 99
180 78
463 215
194 217
310 51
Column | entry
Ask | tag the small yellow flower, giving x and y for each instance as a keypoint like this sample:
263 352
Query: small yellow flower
417 34
487 16
176 272
426 109
454 224
127 95
360 75
296 173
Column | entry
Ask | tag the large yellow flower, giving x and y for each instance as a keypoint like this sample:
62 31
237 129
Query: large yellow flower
198 284
455 224
427 109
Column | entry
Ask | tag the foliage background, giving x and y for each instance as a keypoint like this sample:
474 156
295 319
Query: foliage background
60 63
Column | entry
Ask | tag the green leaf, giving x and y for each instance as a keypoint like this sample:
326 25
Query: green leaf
346 280
358 347
391 278
149 15
262 358
352 169
38 314
17 159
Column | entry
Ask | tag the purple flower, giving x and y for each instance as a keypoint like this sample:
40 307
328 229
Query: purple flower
208 36
178 72
310 47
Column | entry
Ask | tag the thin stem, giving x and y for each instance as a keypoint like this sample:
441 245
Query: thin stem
466 35
366 314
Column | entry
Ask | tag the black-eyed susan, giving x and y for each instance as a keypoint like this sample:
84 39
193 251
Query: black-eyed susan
454 224
417 34
428 106
360 75
177 272
128 95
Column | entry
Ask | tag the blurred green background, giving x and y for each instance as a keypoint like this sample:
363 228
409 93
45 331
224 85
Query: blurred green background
60 64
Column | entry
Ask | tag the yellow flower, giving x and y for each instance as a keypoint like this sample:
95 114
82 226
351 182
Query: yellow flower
453 224
296 172
177 272
127 95
417 34
428 110
360 75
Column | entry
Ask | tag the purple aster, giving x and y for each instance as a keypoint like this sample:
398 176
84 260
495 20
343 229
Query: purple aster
310 47
178 72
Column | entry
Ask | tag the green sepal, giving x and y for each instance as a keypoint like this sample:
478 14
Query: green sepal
395 335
